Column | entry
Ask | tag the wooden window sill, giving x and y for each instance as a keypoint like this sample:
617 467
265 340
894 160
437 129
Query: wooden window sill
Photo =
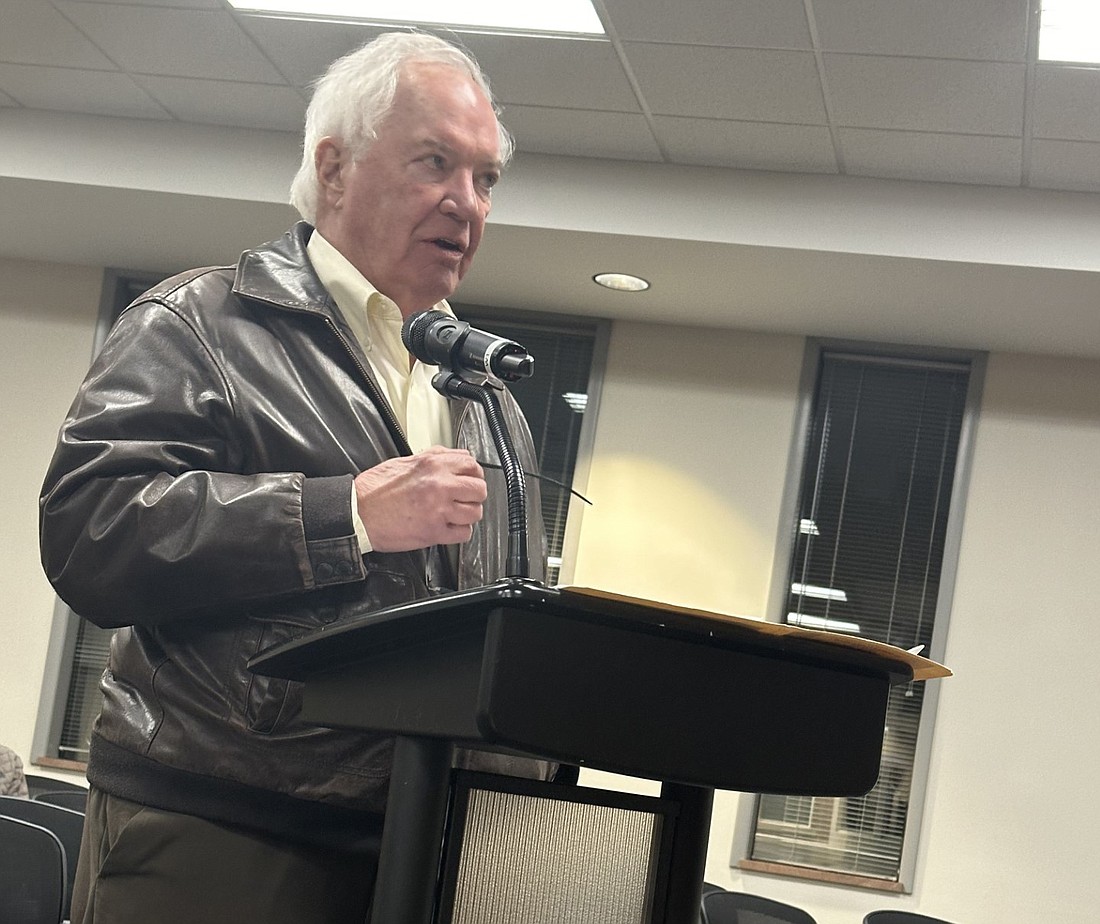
832 877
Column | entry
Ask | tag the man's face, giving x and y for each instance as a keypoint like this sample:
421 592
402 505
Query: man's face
410 213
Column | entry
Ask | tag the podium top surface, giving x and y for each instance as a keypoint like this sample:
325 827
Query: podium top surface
346 638
922 668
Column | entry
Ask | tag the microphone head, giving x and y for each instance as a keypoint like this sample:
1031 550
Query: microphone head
415 329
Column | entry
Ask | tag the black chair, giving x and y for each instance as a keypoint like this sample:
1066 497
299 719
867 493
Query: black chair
77 800
708 887
39 784
900 917
741 908
65 823
32 874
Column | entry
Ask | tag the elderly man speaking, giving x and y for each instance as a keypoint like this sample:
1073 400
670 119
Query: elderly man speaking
252 455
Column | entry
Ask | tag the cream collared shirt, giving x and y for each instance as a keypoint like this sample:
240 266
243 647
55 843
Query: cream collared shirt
375 320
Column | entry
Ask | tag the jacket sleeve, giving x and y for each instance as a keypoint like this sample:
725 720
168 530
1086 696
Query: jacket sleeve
149 511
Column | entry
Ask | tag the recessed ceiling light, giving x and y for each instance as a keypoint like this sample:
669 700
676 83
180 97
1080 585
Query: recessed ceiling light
1069 30
571 17
621 282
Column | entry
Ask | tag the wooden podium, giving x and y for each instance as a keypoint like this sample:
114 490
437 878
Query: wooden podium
695 700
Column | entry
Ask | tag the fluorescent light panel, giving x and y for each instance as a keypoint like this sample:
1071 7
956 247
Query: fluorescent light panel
575 17
1069 30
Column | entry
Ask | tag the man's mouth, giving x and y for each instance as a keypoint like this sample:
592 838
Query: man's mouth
449 245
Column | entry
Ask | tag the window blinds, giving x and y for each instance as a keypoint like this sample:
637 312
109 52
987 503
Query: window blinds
868 548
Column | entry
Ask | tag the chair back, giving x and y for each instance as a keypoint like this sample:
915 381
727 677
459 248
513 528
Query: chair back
37 783
75 799
66 824
900 917
707 888
32 874
743 908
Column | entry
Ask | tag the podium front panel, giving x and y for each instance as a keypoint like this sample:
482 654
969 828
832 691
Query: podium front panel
688 710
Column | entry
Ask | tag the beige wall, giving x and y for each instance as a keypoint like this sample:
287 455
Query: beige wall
47 322
692 441
690 458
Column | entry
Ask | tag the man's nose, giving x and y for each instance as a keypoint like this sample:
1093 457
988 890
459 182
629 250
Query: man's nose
461 201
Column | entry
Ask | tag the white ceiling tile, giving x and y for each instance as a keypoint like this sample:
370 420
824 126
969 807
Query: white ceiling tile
557 73
219 102
1067 103
581 133
729 83
68 90
926 95
1072 165
775 24
35 33
984 30
720 82
188 4
747 145
304 50
173 42
941 157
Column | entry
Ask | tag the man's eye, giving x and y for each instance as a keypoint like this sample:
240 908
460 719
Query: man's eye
436 161
489 180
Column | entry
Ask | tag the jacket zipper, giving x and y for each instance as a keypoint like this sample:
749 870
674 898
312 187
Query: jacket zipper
375 394
390 419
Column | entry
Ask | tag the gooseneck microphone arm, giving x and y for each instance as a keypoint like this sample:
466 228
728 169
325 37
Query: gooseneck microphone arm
472 364
454 386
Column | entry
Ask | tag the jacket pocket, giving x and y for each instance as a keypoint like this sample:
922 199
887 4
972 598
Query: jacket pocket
272 705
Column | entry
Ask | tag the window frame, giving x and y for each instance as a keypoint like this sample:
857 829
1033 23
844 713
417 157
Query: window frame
778 590
119 286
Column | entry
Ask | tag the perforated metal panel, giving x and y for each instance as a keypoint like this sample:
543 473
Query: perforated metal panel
532 860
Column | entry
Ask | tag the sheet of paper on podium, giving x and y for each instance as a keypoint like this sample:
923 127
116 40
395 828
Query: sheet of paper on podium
922 668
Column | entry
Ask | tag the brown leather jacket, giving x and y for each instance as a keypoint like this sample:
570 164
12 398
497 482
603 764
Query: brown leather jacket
199 499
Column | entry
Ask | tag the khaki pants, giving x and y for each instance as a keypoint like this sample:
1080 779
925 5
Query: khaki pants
140 865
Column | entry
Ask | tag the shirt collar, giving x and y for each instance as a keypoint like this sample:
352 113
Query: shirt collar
354 295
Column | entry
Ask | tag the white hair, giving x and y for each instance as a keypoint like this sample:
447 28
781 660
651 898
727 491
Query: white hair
356 92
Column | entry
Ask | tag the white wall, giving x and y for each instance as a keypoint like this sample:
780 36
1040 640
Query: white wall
692 442
47 323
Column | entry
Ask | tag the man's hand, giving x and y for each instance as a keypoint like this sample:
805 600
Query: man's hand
412 502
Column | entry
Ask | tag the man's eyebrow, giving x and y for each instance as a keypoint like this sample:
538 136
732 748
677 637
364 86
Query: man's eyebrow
442 147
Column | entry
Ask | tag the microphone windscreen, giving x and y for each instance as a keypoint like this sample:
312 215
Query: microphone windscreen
415 330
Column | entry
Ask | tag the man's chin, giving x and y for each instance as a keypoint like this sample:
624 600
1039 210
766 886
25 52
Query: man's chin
441 287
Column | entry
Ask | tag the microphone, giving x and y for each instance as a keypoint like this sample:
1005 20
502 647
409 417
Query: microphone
437 338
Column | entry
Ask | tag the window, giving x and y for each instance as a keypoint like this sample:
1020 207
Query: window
872 545
557 401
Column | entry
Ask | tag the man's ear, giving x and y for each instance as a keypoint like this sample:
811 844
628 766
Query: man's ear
328 161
